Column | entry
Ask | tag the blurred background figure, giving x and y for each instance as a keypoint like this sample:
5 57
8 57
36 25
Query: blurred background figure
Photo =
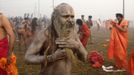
84 32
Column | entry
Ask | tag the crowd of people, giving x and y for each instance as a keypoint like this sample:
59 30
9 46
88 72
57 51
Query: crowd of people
54 43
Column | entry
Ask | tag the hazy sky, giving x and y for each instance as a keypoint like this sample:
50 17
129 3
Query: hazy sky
103 9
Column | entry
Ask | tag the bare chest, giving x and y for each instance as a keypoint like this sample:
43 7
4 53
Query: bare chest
60 67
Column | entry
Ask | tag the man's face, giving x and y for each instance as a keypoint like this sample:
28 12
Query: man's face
119 18
67 18
64 19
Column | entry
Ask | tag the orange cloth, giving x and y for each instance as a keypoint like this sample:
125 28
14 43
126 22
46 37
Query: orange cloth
8 69
131 63
85 34
118 45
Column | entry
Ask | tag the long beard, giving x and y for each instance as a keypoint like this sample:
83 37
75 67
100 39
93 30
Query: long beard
67 30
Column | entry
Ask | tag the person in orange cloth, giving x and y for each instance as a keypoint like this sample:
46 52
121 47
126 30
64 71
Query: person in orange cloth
131 64
7 39
83 31
119 42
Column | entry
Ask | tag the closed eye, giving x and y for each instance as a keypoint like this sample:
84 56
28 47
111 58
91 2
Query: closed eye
67 16
72 16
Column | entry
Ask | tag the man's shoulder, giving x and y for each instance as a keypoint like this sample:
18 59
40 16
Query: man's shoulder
41 35
125 21
44 31
85 25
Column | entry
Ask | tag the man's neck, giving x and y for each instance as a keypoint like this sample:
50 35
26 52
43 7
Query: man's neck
120 21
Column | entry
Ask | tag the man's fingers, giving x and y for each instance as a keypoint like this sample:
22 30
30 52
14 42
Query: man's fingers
67 46
63 52
61 42
59 39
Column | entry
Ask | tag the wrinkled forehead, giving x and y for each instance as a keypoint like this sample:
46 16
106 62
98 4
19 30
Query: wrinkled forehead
65 9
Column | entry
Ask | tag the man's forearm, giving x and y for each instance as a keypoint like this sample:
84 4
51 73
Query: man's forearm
121 28
11 42
83 52
35 59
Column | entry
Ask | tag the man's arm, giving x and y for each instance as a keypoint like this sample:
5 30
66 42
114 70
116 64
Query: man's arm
9 30
32 54
122 28
81 52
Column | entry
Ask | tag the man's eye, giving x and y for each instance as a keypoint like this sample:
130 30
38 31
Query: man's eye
66 16
72 16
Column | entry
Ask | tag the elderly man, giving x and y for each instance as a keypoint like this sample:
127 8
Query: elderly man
6 47
49 47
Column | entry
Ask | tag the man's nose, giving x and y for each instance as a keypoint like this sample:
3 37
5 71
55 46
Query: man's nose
70 19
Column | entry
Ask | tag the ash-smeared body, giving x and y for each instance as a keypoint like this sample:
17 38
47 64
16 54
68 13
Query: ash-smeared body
49 49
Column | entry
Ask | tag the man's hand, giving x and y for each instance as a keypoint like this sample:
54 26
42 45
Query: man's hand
70 43
113 23
59 54
9 58
81 34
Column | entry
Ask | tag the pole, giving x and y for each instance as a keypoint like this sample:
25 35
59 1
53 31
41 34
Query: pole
38 8
124 8
53 4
